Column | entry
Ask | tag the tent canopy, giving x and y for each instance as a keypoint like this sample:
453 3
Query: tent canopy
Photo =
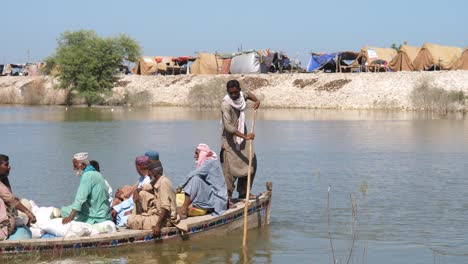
318 60
207 63
404 59
374 53
329 61
462 62
432 55
154 64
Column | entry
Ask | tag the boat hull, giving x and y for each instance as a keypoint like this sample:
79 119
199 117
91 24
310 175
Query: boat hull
231 221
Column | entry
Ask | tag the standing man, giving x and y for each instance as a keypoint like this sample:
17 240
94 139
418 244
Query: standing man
234 151
91 203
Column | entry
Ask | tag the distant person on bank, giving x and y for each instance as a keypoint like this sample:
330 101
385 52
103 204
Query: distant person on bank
234 151
91 203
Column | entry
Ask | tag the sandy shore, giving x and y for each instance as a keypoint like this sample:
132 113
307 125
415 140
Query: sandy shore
321 90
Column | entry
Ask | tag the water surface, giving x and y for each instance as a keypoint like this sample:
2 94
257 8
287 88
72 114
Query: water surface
406 170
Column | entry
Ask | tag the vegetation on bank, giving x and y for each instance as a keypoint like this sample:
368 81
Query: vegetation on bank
429 97
86 64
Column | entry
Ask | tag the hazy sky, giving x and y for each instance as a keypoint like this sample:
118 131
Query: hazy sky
177 28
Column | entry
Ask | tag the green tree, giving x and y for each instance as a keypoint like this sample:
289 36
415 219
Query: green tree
398 47
87 64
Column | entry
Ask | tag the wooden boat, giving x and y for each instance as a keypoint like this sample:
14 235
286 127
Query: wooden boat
207 225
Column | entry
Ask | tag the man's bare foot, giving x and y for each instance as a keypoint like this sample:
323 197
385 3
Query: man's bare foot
251 197
182 213
231 204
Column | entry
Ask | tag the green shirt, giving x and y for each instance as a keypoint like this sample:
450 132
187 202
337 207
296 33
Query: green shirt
91 200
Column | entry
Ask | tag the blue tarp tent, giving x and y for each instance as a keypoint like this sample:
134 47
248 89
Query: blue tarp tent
317 61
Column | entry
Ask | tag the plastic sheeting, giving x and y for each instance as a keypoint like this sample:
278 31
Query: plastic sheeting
246 63
317 61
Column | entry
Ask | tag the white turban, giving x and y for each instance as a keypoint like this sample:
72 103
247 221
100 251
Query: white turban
82 156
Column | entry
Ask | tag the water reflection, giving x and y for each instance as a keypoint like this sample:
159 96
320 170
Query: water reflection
92 114
196 250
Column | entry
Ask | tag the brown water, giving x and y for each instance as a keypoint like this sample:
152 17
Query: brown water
407 170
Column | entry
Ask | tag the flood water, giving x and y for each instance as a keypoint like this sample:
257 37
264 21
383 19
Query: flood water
407 173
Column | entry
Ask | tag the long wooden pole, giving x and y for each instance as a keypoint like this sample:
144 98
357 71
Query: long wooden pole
249 173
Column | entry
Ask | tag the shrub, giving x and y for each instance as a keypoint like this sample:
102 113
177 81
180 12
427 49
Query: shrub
208 94
427 96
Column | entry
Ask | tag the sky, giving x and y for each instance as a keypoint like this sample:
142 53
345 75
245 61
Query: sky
181 28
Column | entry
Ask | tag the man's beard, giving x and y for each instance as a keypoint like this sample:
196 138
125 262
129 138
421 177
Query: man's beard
79 172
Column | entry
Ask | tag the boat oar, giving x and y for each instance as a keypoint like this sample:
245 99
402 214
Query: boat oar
249 173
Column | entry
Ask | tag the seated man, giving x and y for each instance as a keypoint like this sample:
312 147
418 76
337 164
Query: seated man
9 201
96 166
155 202
126 192
205 187
152 155
91 203
123 202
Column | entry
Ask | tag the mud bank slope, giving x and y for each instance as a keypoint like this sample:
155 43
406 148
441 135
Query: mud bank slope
328 91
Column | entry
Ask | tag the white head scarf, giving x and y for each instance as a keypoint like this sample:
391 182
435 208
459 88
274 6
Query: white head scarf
238 104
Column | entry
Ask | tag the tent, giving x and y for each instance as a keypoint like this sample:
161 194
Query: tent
13 69
246 63
148 65
259 61
404 59
331 62
432 57
372 54
226 67
34 69
145 66
207 63
318 61
462 63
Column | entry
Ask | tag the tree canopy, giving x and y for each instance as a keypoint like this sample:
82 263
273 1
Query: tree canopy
87 63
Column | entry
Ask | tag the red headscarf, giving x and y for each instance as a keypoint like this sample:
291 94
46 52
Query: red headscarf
204 154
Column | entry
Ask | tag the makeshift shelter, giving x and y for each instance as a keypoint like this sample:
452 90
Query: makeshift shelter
226 66
433 57
372 54
246 63
145 66
33 69
462 62
404 59
319 61
331 62
181 65
207 63
13 69
153 65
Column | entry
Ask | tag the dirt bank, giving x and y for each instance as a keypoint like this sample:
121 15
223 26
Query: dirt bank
328 91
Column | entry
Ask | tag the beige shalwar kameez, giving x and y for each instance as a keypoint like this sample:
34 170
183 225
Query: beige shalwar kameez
235 158
153 199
